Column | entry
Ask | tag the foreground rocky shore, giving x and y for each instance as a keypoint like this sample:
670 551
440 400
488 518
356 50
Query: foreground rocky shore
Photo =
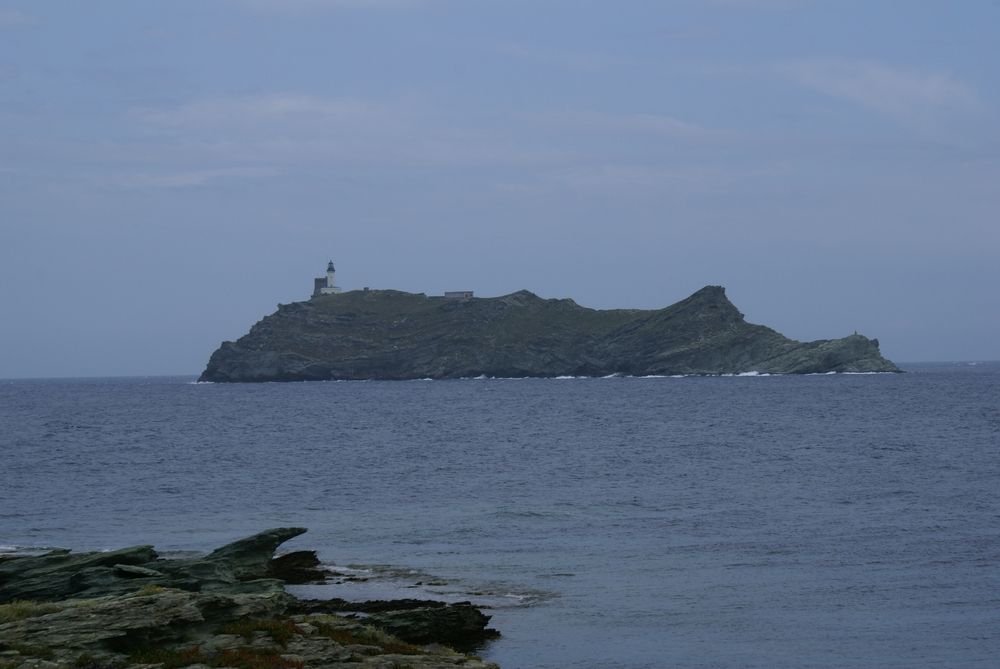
131 608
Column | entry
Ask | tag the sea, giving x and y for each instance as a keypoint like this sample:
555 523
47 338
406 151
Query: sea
606 523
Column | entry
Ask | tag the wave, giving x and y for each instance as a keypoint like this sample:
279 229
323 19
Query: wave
379 581
864 373
844 374
16 550
350 572
616 375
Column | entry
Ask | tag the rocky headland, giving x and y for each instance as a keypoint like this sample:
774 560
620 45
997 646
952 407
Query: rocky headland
385 334
130 608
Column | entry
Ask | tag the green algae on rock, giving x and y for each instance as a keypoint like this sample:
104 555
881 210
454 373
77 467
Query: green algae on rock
386 334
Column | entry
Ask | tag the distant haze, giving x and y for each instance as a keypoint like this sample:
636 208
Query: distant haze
171 171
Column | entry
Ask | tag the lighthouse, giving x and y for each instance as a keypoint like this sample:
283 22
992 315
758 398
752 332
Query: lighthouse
326 285
330 272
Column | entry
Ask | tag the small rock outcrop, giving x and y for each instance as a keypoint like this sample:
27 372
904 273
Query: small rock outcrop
384 334
460 625
131 608
244 566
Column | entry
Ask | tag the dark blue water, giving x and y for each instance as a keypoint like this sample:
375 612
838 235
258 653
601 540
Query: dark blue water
818 521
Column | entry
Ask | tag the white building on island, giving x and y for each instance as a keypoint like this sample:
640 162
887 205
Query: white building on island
325 285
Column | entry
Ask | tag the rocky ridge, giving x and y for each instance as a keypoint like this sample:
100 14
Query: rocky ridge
131 608
384 334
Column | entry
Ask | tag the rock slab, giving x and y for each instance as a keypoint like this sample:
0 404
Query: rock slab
131 608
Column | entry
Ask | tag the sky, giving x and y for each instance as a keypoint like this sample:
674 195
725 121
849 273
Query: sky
171 171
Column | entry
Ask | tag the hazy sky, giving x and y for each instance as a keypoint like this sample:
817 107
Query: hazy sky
170 171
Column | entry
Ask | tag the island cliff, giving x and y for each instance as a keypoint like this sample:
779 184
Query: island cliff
386 334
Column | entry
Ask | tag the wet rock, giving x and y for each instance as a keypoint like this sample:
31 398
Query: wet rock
460 625
418 621
297 567
337 605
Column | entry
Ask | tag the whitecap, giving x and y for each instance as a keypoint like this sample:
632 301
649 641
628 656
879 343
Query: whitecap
347 571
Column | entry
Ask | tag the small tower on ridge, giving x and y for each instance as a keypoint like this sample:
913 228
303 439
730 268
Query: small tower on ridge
325 285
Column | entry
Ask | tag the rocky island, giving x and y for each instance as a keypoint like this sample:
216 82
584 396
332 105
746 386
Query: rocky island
386 334
131 608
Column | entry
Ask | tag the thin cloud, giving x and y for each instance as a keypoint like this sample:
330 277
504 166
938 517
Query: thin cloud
658 180
907 95
640 123
192 178
309 6
759 5
292 129
575 60
12 18
270 108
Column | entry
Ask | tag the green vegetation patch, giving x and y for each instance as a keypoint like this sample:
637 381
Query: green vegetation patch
255 658
367 636
21 609
150 589
241 658
281 631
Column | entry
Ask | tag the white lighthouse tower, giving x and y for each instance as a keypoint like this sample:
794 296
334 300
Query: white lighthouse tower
330 272
326 285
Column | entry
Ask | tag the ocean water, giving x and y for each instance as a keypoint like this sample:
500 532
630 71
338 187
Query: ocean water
772 521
